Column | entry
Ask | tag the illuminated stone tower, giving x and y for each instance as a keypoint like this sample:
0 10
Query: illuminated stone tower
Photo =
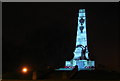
81 39
81 50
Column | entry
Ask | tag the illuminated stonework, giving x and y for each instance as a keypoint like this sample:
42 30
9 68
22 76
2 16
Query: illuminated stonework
81 39
81 58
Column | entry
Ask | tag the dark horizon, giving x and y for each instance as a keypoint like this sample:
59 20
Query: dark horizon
44 34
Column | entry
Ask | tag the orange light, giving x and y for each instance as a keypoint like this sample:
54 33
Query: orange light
24 70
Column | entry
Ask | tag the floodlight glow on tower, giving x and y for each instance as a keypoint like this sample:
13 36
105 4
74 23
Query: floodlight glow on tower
81 58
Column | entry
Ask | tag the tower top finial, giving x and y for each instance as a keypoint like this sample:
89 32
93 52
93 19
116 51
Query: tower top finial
81 10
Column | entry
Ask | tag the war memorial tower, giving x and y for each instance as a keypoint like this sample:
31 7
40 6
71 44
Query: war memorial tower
81 58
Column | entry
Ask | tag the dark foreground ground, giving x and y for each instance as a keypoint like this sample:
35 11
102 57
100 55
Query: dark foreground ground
60 80
53 75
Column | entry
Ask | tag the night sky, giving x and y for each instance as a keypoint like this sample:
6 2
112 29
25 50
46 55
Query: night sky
44 34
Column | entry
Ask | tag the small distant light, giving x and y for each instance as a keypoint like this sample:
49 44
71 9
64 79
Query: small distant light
24 70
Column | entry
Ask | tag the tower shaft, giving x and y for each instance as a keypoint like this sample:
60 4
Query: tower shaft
81 38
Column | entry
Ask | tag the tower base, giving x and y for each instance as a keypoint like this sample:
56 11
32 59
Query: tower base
82 64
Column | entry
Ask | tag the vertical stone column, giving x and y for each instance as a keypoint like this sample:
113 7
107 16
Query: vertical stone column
34 77
81 38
